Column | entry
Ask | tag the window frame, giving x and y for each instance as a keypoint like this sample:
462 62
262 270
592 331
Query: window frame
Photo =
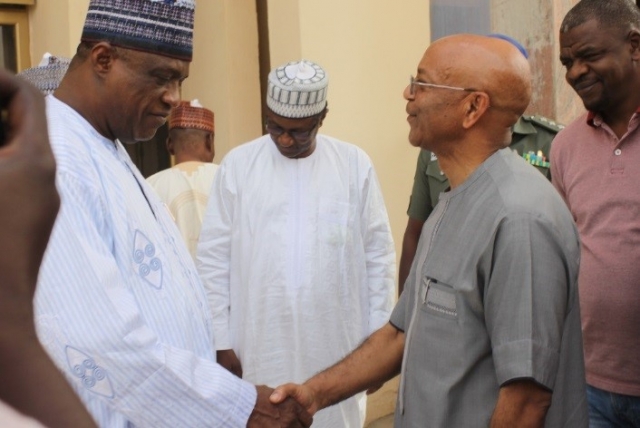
18 2
19 18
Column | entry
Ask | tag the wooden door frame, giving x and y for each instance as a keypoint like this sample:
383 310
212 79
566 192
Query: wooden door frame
19 18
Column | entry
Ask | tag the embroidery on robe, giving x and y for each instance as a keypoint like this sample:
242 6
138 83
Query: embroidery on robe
93 377
145 263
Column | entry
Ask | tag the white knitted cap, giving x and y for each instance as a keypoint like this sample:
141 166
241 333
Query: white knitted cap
48 74
297 89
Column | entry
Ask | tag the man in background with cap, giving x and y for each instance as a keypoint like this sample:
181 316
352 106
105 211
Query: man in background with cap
296 251
531 138
48 74
185 187
120 307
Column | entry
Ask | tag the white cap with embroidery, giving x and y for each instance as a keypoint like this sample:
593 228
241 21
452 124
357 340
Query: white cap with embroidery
297 89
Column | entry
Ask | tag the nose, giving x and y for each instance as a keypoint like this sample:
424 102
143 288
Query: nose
172 95
407 93
285 140
576 70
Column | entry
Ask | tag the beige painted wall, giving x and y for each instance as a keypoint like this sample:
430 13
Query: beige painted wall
224 74
55 27
285 43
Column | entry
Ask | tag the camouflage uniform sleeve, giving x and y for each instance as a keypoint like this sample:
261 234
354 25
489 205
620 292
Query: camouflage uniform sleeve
533 135
420 204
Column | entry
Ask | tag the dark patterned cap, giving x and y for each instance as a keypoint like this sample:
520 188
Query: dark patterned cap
162 27
48 74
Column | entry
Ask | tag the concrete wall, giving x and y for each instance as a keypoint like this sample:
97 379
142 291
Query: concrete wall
568 104
536 24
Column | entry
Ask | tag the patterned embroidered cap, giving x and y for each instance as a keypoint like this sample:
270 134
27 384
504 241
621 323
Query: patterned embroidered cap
297 89
163 27
191 115
48 74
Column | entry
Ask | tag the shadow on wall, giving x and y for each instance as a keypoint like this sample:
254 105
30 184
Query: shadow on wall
381 405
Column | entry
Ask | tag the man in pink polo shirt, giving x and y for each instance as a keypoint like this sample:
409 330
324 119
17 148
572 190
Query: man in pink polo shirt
596 168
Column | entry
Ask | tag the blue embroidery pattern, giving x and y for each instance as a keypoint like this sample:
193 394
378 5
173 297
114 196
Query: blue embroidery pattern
146 264
93 377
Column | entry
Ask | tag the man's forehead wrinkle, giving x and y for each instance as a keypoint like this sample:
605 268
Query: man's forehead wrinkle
444 71
440 65
157 62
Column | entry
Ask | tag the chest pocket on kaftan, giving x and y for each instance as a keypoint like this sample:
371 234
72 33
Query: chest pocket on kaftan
333 222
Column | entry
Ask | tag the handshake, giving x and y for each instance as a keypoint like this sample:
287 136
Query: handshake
292 405
288 406
367 368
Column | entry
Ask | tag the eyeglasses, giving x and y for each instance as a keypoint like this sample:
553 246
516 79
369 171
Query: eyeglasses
413 82
298 135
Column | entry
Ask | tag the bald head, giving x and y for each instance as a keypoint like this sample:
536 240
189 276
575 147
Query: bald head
468 93
486 64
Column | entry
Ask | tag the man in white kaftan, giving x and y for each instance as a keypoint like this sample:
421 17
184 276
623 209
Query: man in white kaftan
185 187
119 305
116 267
296 251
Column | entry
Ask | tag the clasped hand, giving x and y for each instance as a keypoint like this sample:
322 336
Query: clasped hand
286 413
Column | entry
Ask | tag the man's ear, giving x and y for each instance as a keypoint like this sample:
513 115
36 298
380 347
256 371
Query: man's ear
475 106
102 57
169 144
634 41
324 114
209 144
